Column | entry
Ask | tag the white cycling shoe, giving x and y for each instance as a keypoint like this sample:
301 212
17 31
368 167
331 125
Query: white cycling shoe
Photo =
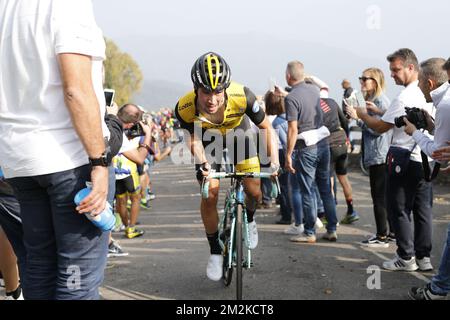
253 235
214 269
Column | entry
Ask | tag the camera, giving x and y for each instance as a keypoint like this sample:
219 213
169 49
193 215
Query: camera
414 115
137 130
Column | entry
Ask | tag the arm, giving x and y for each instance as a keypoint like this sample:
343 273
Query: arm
271 141
291 140
373 122
84 109
138 155
258 117
343 119
159 156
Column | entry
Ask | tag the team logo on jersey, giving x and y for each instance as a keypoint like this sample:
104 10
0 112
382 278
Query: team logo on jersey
256 107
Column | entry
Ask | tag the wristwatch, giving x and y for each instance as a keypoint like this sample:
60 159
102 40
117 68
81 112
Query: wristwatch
143 145
103 161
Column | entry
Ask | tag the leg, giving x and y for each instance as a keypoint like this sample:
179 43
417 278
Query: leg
252 188
323 183
423 219
377 176
208 208
10 221
305 162
296 199
121 207
399 205
440 283
135 207
81 247
38 238
8 264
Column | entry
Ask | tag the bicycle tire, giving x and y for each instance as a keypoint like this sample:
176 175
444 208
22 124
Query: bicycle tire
239 251
363 167
226 240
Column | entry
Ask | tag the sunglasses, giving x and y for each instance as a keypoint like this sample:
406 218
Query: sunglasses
364 79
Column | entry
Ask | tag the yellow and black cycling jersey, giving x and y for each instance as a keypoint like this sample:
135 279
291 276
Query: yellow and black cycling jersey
240 101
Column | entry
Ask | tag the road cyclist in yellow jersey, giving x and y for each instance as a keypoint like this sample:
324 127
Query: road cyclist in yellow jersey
217 115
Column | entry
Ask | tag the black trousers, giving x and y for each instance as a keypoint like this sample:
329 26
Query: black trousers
377 175
409 204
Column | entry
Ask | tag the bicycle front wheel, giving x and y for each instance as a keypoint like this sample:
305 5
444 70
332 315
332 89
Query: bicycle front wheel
239 252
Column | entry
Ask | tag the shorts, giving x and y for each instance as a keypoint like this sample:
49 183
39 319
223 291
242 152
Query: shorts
129 185
242 150
339 159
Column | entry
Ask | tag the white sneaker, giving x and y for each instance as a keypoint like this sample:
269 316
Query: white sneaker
253 235
294 230
214 269
424 264
398 264
319 224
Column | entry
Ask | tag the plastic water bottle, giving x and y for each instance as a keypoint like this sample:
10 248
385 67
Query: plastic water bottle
106 220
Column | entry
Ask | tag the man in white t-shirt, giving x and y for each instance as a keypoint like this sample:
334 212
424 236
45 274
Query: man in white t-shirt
52 141
125 163
408 193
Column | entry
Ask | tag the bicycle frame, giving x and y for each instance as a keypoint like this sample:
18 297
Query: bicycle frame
235 213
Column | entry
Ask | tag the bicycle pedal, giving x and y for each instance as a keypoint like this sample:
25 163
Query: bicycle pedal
245 265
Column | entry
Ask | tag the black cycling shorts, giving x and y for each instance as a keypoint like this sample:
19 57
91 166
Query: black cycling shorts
241 149
339 159
128 185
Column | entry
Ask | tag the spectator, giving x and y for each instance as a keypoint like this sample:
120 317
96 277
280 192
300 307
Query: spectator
50 130
131 154
439 286
406 189
375 150
290 197
307 135
433 81
335 121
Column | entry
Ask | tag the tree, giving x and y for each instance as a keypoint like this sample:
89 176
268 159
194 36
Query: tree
122 73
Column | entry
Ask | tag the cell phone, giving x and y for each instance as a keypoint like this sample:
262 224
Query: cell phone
109 96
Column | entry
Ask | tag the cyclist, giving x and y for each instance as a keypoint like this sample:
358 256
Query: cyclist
218 107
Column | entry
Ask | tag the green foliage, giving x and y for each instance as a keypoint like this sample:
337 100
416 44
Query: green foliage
122 73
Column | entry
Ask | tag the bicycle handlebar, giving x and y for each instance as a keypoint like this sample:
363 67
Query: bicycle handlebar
225 175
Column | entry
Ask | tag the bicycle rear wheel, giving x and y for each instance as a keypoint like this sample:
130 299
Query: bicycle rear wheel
239 252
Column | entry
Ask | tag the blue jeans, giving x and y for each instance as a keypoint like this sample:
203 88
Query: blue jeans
290 197
313 164
440 283
66 253
295 198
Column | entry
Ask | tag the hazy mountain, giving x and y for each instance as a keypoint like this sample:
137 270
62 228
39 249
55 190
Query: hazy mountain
156 94
254 59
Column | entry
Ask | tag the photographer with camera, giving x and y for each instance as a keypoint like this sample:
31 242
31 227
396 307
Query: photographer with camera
433 81
125 163
407 191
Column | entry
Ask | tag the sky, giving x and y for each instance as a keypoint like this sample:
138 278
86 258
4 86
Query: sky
365 31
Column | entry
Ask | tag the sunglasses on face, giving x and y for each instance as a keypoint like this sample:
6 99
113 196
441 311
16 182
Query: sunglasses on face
364 79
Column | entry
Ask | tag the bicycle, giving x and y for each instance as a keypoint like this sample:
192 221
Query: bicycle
233 225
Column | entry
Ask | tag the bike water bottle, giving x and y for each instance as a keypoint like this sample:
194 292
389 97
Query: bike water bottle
106 220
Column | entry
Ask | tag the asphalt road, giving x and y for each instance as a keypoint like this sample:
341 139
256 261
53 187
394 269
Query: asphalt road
169 261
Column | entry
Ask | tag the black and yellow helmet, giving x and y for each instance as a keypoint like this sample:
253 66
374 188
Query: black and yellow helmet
211 72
